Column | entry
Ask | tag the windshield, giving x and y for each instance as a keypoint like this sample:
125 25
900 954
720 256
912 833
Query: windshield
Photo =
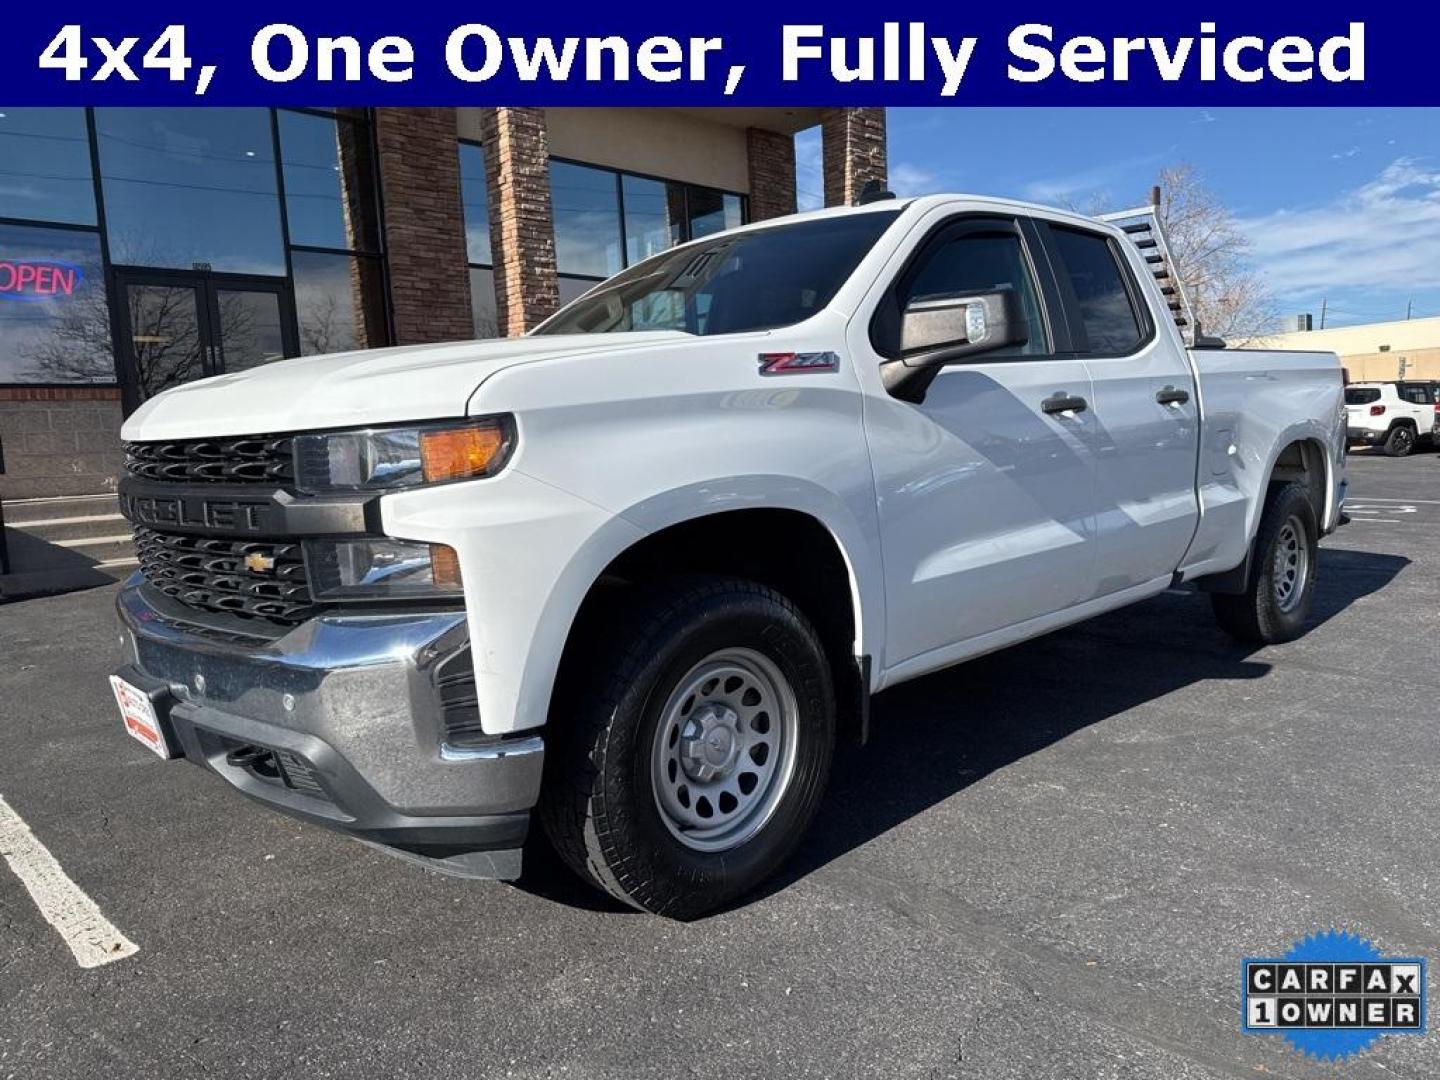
1361 395
736 282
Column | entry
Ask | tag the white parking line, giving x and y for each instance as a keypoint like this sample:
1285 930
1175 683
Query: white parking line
75 917
1371 498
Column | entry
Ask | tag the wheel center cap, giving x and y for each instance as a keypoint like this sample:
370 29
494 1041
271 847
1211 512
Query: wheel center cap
710 743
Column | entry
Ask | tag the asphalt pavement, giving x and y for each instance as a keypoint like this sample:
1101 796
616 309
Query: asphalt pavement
1048 863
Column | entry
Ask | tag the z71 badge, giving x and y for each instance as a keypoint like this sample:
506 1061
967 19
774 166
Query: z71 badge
798 363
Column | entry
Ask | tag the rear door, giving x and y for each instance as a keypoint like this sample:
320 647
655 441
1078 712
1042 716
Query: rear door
985 487
1418 403
1145 435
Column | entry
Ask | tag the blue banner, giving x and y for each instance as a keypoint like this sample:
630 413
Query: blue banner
741 53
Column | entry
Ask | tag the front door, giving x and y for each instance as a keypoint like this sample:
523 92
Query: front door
987 486
182 325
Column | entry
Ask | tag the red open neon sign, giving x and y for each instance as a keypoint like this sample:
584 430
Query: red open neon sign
38 279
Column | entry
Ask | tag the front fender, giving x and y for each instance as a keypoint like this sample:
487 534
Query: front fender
530 553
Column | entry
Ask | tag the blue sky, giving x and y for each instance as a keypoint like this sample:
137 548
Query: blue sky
1340 204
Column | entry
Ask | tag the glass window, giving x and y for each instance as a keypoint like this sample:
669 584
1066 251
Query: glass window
250 331
339 302
574 288
167 345
54 318
712 212
188 186
45 166
981 262
758 280
1417 393
1106 312
654 216
329 182
1361 395
482 302
586 206
475 197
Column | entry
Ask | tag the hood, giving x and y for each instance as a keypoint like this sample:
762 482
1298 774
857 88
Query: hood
374 386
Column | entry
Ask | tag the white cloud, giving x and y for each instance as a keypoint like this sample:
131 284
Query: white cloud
1090 185
1341 155
1384 234
907 179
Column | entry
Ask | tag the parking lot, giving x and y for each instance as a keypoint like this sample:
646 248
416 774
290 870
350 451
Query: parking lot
1047 864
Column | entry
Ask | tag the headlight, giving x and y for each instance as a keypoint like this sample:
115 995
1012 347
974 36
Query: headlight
378 568
385 459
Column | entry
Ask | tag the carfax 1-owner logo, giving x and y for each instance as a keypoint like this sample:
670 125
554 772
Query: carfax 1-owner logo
1333 995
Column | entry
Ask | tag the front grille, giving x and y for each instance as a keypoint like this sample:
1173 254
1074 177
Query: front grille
248 459
209 573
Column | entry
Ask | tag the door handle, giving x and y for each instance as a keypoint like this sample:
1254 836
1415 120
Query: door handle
1172 396
1064 403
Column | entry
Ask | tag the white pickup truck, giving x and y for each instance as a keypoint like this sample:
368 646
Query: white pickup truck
638 570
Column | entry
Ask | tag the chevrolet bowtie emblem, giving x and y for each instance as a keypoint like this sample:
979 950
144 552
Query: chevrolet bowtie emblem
257 562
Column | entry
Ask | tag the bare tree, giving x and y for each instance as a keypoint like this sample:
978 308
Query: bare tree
321 329
1211 259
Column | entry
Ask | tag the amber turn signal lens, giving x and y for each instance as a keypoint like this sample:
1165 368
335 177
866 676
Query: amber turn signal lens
445 567
458 453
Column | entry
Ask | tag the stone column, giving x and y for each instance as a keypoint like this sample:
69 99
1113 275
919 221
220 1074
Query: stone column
424 224
772 173
522 225
853 150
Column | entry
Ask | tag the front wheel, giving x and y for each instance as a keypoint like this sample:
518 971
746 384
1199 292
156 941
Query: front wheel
1276 602
694 755
1400 441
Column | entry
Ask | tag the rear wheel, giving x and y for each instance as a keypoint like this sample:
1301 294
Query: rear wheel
1276 602
1400 441
693 756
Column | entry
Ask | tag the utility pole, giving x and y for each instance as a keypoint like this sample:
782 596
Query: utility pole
1409 307
1323 302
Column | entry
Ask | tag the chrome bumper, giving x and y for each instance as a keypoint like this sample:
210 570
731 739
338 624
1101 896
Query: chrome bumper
349 709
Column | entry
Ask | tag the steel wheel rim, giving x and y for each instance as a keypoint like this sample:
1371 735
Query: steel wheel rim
723 754
1291 566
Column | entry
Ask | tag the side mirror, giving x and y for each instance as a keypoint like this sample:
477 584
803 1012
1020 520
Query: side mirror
935 331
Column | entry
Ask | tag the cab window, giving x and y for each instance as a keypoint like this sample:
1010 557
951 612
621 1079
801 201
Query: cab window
976 262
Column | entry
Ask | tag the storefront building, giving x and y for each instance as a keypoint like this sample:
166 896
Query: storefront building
141 248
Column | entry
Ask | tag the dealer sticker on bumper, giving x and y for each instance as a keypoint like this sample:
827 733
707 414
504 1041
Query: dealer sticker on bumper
137 712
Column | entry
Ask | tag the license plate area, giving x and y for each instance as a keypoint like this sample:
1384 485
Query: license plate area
145 716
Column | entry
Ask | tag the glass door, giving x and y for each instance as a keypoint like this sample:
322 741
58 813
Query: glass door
176 326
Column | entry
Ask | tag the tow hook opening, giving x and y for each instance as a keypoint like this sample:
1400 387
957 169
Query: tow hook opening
257 759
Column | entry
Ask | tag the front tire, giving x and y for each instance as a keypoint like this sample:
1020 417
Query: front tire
1400 441
1275 605
694 754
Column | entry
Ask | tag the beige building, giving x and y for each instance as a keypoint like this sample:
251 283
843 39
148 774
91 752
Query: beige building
1409 349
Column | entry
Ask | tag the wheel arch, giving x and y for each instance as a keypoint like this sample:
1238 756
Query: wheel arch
820 561
1300 456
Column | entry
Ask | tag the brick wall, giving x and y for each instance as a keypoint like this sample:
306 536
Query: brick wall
771 158
424 224
59 441
853 148
522 225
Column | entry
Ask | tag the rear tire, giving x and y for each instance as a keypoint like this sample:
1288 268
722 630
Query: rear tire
1400 441
692 757
1276 602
